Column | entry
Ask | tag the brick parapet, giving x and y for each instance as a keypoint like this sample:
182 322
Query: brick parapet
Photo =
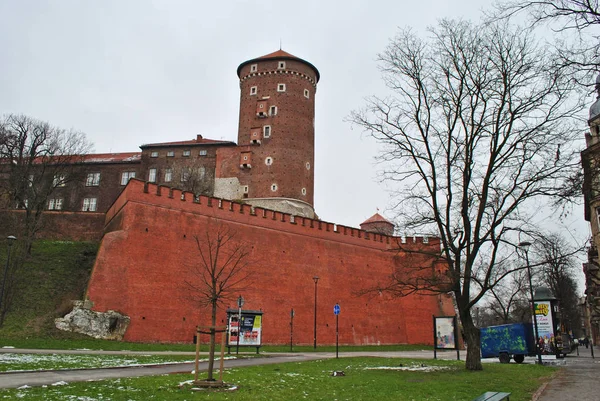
227 210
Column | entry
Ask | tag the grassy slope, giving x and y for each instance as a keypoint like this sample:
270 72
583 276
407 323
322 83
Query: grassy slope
56 273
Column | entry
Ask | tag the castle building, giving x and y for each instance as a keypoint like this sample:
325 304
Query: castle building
151 208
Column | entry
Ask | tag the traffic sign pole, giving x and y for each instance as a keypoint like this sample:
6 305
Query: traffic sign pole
336 312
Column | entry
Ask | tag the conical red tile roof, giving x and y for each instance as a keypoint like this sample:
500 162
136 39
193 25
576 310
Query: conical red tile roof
281 55
376 218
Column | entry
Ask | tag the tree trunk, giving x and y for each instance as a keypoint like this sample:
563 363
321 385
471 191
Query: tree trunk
211 347
471 333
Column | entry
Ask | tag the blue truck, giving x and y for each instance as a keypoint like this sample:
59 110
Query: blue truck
507 341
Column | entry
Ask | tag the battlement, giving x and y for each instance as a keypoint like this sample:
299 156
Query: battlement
141 192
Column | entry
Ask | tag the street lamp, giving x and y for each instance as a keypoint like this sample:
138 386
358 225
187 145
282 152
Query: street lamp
525 246
316 280
240 303
10 239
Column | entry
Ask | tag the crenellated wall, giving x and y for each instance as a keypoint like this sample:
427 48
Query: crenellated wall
149 251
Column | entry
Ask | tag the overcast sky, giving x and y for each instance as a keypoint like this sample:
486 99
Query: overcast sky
133 72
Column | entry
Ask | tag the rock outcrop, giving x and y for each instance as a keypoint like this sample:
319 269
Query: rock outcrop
109 325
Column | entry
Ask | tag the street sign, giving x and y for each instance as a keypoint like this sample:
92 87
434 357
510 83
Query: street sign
336 309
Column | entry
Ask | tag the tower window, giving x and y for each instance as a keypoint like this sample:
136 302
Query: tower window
303 191
306 93
253 90
245 189
267 131
281 65
280 87
273 110
269 161
273 187
254 68
307 165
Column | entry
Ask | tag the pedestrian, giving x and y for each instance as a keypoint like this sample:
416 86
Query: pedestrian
586 342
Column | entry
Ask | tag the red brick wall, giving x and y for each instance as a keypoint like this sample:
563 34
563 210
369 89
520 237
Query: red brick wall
140 271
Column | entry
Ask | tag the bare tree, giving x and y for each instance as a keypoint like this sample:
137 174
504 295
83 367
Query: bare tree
480 124
579 52
221 270
558 274
510 298
35 159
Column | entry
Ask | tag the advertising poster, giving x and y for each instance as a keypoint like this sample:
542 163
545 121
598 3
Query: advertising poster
545 340
444 332
249 330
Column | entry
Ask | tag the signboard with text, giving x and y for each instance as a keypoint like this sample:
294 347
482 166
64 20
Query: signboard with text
249 328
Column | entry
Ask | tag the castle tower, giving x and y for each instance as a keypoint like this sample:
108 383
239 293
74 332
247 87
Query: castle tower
276 132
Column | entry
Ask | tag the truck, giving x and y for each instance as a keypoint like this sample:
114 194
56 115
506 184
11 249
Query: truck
507 341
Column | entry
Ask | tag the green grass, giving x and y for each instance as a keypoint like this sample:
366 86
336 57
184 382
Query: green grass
94 344
56 273
313 381
17 362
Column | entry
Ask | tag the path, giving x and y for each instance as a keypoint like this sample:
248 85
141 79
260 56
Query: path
577 381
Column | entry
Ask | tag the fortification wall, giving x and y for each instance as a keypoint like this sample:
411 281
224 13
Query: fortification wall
149 251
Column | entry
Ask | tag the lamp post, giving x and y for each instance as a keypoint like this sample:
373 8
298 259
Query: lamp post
240 303
525 246
10 239
316 280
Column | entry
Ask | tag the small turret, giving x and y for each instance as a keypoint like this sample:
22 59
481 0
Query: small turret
595 109
378 224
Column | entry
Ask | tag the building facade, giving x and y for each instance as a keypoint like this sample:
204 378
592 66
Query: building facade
591 167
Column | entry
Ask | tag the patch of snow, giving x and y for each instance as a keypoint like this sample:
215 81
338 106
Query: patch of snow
413 368
23 387
60 383
8 347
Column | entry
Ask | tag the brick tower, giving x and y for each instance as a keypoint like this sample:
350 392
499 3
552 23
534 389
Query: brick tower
276 132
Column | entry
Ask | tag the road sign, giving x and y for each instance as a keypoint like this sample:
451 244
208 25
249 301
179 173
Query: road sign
336 309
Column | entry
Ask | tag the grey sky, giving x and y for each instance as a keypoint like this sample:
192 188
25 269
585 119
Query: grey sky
134 72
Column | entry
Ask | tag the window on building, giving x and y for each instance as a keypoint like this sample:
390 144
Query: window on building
269 161
92 180
280 87
253 90
186 153
303 191
267 131
185 174
168 175
203 152
126 176
170 153
281 65
30 180
306 93
152 175
273 110
55 204
59 180
245 189
89 204
307 165
273 187
154 154
254 68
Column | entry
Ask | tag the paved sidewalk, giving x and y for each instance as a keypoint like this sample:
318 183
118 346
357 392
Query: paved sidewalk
578 380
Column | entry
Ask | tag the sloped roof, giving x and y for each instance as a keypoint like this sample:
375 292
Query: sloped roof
193 142
279 55
376 218
112 157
